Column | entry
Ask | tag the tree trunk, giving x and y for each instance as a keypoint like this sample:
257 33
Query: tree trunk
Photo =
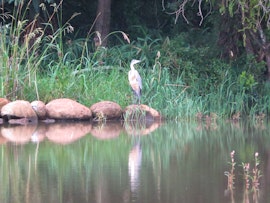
265 46
103 21
248 44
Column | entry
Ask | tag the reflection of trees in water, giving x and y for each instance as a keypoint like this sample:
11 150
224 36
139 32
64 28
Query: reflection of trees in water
179 161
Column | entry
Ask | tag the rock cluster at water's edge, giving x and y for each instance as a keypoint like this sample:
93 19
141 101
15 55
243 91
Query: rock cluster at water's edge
24 112
106 110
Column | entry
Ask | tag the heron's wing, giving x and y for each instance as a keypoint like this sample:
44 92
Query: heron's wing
138 78
129 76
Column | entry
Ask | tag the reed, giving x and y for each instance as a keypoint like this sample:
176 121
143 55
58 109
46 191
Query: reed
179 80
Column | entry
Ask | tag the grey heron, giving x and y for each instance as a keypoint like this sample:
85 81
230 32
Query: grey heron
135 80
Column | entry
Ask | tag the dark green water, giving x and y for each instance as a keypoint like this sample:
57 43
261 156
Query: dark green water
175 162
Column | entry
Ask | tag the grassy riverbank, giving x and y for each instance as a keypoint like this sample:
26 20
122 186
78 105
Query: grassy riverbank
162 90
181 78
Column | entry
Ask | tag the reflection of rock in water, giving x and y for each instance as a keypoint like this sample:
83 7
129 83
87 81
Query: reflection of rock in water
134 165
66 133
108 130
141 127
40 134
19 134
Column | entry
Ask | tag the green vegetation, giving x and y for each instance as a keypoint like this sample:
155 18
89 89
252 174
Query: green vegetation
181 77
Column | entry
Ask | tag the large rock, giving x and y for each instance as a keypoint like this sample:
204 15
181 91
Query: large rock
67 109
3 102
22 121
18 109
40 109
106 110
141 112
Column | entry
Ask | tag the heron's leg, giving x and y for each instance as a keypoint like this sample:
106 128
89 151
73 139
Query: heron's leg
134 97
139 96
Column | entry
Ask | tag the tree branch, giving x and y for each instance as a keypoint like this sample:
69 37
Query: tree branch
181 10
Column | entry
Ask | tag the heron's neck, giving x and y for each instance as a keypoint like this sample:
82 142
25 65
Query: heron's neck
132 68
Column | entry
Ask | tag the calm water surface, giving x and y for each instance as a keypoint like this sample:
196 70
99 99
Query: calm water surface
130 162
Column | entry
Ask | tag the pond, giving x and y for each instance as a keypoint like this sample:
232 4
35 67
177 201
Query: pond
191 162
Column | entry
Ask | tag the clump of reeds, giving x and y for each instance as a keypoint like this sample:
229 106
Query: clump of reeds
230 174
135 114
25 45
251 177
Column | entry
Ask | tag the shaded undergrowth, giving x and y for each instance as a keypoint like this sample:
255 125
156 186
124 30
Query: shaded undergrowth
180 80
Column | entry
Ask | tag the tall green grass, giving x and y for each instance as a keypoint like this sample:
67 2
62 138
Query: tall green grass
179 79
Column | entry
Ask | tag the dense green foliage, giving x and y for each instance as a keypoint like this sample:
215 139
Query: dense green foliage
182 75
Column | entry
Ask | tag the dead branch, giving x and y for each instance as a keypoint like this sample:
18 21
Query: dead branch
181 10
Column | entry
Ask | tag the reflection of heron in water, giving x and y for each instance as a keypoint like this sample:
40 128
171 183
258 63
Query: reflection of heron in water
134 165
135 80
